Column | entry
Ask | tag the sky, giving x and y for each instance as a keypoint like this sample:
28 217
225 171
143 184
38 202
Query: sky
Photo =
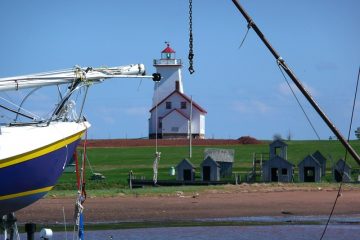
242 89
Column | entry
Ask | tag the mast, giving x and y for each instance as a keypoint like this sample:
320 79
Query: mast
297 82
72 75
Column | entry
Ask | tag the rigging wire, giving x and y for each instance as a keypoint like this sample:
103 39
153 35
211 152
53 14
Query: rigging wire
24 99
156 115
19 107
302 108
89 164
346 153
17 112
247 31
83 103
279 64
139 84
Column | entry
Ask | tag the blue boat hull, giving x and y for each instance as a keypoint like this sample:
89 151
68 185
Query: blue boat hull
25 182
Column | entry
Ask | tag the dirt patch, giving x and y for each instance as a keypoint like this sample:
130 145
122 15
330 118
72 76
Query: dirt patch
232 201
103 143
248 140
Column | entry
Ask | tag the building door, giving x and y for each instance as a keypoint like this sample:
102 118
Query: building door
337 175
309 174
206 173
187 175
274 175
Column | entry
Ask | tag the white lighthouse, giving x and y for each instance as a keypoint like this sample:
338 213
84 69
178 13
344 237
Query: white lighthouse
173 114
170 69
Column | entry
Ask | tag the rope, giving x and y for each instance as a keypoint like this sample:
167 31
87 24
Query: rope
77 170
297 100
81 193
346 152
83 173
247 31
157 154
88 161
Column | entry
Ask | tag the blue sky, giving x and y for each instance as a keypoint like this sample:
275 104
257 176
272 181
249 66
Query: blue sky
242 89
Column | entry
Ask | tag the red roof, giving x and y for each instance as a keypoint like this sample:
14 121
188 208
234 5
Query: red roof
177 112
185 97
168 49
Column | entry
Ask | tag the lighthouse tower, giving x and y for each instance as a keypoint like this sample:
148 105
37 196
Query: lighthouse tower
170 69
173 114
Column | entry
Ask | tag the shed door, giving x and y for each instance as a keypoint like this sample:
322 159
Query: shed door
187 175
309 174
274 175
338 177
206 173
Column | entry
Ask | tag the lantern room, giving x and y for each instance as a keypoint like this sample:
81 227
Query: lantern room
167 57
168 52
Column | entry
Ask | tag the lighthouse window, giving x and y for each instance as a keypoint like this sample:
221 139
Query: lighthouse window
168 105
183 105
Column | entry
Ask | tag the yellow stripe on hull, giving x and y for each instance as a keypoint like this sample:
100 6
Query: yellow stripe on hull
40 151
27 193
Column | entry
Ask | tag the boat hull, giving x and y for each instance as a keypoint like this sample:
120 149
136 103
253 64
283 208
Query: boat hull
29 176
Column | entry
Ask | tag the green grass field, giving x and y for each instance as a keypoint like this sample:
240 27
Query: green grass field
115 163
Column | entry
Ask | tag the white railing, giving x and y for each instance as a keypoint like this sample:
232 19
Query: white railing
167 62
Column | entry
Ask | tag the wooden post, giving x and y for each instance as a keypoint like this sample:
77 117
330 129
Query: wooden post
130 179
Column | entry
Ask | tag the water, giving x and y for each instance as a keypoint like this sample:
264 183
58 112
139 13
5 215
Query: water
300 220
283 232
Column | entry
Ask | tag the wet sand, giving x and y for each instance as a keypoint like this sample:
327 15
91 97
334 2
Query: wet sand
232 201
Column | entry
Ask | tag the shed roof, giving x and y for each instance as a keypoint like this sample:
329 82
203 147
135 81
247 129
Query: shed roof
318 156
340 164
309 158
277 159
210 160
278 142
186 161
220 155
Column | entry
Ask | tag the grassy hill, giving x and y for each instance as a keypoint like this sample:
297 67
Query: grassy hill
115 163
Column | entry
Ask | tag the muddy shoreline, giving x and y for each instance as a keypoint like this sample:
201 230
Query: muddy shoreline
231 202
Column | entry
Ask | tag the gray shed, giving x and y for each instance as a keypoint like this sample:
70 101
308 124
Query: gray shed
185 171
224 157
277 169
342 171
322 160
310 170
278 148
210 170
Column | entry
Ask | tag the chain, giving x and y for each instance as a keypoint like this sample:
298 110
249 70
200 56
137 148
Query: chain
191 53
